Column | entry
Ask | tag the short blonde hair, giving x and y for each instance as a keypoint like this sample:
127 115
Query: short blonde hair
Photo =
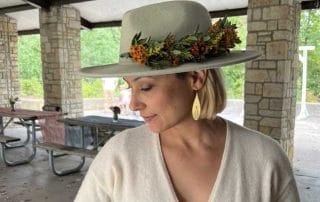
212 95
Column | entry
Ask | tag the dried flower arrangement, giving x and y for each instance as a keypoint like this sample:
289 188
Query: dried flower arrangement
195 47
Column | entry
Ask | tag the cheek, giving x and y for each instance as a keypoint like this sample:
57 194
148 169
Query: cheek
176 103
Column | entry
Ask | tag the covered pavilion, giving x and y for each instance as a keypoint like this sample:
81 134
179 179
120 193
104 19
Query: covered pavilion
270 80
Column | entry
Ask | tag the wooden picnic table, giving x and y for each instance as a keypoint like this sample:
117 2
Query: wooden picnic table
26 118
95 124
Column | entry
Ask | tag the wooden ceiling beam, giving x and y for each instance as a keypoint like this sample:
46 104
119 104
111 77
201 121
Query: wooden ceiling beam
38 3
12 9
62 2
305 5
230 12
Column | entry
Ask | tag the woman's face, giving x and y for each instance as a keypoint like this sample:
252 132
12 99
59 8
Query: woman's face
163 101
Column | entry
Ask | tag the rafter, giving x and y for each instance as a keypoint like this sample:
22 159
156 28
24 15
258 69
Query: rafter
38 3
86 24
62 2
305 5
230 12
18 8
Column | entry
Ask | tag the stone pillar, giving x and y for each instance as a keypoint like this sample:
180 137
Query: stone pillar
9 73
270 81
60 53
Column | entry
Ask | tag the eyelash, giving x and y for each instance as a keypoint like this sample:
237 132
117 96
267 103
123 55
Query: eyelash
147 88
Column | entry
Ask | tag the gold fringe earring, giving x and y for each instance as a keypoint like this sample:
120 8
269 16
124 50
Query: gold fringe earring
196 107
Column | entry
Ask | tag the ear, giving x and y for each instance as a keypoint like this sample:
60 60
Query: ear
198 79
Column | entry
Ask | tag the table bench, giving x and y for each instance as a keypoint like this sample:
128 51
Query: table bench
6 139
95 123
7 116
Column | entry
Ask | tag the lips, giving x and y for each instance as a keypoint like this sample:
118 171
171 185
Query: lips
148 119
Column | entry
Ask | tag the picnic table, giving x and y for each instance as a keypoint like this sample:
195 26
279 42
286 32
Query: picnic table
97 129
26 118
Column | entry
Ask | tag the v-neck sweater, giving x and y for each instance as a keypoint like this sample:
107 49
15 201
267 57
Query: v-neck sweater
131 168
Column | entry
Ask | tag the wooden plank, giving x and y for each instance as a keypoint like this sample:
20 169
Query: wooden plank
6 139
68 149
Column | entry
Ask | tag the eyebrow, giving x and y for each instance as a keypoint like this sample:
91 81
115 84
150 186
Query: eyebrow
137 78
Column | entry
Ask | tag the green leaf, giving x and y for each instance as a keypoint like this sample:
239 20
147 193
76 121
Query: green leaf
176 52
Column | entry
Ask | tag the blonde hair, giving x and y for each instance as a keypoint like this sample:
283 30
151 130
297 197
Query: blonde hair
212 95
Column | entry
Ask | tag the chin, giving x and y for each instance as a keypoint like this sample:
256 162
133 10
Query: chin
153 128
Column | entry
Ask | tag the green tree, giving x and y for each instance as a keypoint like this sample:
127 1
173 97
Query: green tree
29 63
309 36
98 47
29 57
234 74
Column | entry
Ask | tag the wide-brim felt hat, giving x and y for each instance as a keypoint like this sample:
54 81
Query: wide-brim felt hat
179 18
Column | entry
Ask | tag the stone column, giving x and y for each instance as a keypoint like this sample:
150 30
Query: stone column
270 81
60 53
9 73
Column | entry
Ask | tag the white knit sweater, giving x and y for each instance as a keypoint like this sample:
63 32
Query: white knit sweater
131 168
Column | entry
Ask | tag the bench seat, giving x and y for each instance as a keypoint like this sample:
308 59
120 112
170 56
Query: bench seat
68 149
7 139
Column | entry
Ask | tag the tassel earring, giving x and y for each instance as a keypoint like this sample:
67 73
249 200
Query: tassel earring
196 107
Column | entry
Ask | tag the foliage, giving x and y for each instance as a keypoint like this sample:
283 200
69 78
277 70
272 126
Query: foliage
309 36
234 81
92 88
194 47
98 47
234 74
29 57
31 87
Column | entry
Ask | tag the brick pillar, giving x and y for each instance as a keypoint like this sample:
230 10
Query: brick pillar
60 51
9 73
270 81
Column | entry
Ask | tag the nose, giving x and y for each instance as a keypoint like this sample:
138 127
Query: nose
135 102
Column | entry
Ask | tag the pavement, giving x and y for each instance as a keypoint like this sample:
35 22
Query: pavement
35 182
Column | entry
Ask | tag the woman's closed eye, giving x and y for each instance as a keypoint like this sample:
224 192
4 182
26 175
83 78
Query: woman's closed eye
146 87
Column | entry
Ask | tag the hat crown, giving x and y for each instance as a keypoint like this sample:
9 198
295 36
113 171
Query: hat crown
178 18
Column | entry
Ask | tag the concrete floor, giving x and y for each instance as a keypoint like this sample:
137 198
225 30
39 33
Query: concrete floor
35 182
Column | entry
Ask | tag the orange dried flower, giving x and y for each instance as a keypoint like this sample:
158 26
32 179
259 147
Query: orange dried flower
214 28
138 53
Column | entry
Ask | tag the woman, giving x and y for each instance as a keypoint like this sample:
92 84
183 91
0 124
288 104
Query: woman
184 152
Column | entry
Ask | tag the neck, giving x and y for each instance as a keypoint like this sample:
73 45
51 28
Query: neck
193 133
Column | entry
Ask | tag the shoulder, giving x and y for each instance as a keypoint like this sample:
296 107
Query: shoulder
251 140
126 145
256 148
119 153
128 140
260 150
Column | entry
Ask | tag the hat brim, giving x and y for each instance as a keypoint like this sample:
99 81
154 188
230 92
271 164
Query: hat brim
121 70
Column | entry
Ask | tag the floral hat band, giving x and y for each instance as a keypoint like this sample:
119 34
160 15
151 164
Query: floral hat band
172 37
195 47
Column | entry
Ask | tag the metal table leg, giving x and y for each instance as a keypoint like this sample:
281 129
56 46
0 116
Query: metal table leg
67 171
23 161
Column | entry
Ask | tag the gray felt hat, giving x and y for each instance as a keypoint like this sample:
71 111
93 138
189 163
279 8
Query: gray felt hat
179 18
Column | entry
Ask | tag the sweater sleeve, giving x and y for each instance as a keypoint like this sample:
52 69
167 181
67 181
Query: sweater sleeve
92 190
290 193
98 184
